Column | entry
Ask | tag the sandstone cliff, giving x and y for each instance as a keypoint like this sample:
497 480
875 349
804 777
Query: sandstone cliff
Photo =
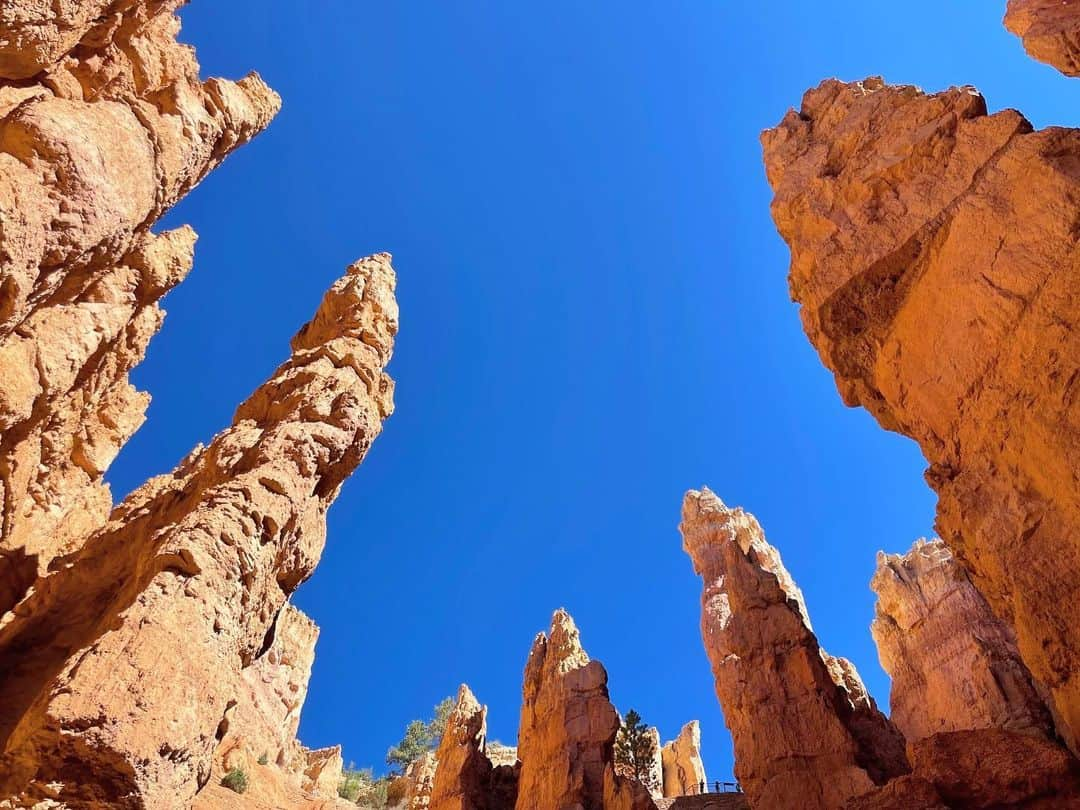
568 728
806 733
143 647
933 254
954 664
1050 30
683 770
465 778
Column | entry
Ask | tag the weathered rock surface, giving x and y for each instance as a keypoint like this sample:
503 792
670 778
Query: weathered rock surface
420 780
207 557
463 777
954 665
568 727
1050 30
683 768
806 733
933 251
988 768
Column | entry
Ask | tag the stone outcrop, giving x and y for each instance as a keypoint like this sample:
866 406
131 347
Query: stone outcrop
933 252
805 731
683 768
420 780
954 665
988 768
463 777
568 728
145 647
1050 30
207 556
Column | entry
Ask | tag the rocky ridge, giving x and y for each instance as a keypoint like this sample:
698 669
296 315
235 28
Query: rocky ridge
104 125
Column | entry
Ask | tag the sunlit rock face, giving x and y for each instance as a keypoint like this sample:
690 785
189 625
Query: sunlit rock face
933 252
805 731
1050 30
144 648
683 769
568 727
954 665
207 557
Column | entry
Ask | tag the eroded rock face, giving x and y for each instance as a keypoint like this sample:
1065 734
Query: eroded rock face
142 648
683 769
954 665
805 731
420 780
207 557
463 777
1050 30
987 768
93 150
933 251
568 728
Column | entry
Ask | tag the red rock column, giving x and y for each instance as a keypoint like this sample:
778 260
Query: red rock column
954 665
806 733
933 252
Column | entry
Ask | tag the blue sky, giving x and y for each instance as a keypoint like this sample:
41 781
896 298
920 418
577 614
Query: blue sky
594 318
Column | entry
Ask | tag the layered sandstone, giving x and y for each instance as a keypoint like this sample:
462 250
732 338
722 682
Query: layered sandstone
933 252
805 731
954 665
683 768
207 557
1050 30
568 727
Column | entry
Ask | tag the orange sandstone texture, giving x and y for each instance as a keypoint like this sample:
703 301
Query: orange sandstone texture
190 574
934 255
954 664
683 769
466 778
567 732
1050 30
806 733
93 150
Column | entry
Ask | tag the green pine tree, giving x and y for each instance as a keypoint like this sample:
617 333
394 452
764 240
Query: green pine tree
635 751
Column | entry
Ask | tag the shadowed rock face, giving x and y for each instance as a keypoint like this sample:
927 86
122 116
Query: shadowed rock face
934 254
954 665
805 731
1050 30
463 777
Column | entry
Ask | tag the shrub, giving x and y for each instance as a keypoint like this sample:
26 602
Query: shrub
235 780
419 738
264 758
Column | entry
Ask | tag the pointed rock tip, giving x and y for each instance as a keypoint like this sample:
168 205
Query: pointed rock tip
698 503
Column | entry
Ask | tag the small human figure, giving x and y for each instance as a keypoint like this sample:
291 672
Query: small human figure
701 789
717 786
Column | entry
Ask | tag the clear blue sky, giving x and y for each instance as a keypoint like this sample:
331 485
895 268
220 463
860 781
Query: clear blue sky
594 318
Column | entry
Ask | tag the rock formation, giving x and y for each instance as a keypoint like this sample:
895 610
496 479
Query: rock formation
146 646
420 780
568 728
683 769
954 664
989 768
207 557
806 733
933 250
464 773
1050 30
